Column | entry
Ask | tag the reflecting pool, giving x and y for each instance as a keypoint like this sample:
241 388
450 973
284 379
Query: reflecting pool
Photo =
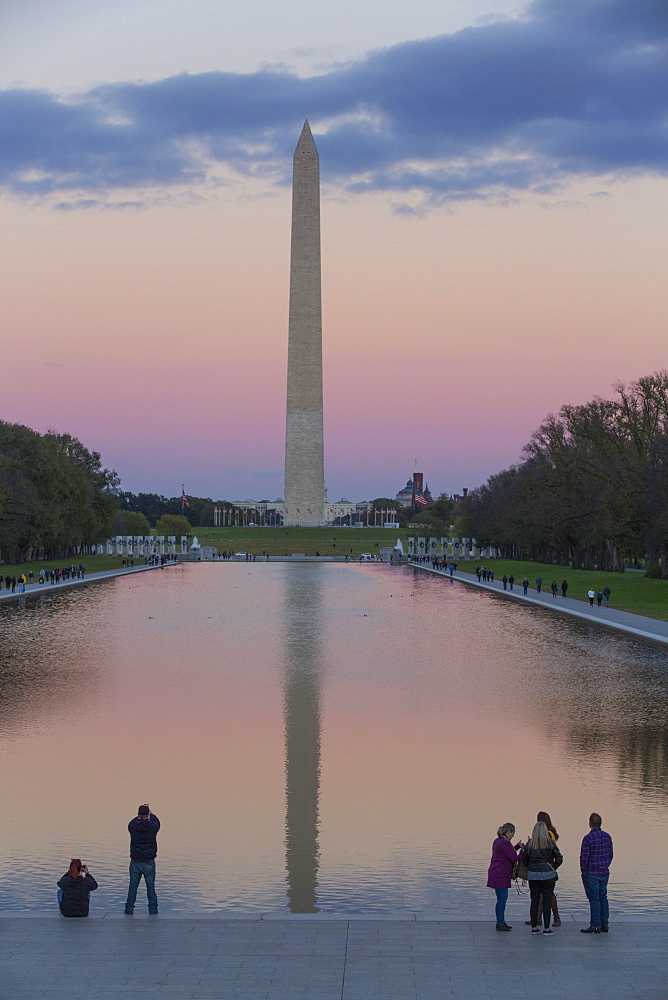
322 737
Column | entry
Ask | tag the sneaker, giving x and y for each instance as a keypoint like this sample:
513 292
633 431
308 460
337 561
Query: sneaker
590 930
548 930
503 927
535 930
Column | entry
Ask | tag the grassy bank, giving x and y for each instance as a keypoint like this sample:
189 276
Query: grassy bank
308 541
630 591
92 564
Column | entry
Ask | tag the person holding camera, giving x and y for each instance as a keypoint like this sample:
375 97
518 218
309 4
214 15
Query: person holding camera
500 873
143 830
542 857
74 890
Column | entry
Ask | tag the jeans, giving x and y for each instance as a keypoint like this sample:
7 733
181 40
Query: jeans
597 894
538 888
501 900
137 869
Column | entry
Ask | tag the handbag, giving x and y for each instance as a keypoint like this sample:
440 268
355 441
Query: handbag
521 877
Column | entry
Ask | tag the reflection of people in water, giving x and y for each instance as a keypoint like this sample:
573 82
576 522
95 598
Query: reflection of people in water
74 890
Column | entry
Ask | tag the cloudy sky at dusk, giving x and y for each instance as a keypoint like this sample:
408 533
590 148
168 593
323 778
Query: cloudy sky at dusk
493 227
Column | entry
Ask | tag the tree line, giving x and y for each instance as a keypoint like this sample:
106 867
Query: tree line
591 490
54 495
153 506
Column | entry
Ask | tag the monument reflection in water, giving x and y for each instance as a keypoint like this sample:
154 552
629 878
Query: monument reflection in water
337 737
303 666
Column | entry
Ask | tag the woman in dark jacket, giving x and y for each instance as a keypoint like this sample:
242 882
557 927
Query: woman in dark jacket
542 857
75 888
500 873
544 817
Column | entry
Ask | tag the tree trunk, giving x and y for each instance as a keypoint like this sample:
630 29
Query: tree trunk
664 563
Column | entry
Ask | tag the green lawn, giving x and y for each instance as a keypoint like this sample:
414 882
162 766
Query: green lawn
630 591
308 541
92 564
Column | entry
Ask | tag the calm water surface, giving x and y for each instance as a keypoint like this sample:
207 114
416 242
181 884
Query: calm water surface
321 737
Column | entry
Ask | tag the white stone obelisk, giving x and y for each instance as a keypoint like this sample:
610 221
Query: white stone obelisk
304 453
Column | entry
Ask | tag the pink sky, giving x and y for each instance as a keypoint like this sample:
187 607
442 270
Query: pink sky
158 335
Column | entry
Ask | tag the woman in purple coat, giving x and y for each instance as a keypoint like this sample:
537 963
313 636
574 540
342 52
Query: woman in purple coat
500 873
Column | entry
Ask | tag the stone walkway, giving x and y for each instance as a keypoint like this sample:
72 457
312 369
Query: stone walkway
623 621
46 588
212 958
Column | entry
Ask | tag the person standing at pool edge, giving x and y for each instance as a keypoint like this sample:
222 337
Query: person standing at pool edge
542 858
595 860
143 830
500 873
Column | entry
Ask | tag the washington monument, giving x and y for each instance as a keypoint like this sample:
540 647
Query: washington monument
304 461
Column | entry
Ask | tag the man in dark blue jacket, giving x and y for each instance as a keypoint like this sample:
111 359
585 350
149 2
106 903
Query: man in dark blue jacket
143 831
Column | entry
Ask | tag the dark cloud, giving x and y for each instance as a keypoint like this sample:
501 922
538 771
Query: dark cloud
575 88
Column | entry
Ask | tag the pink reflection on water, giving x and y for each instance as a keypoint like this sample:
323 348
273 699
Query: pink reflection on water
404 717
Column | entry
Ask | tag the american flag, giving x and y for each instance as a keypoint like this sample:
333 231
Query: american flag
419 498
184 498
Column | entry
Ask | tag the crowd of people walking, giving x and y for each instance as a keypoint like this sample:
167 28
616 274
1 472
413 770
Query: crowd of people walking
536 862
486 575
54 576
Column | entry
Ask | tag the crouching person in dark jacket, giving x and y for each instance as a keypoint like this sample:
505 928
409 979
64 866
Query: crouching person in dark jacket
74 890
143 830
542 857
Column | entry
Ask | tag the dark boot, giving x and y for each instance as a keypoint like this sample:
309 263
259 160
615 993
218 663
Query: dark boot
555 913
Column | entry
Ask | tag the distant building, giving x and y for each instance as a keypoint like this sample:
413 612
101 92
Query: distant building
458 498
405 496
275 512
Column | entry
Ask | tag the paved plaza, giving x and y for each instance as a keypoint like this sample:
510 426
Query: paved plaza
109 956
